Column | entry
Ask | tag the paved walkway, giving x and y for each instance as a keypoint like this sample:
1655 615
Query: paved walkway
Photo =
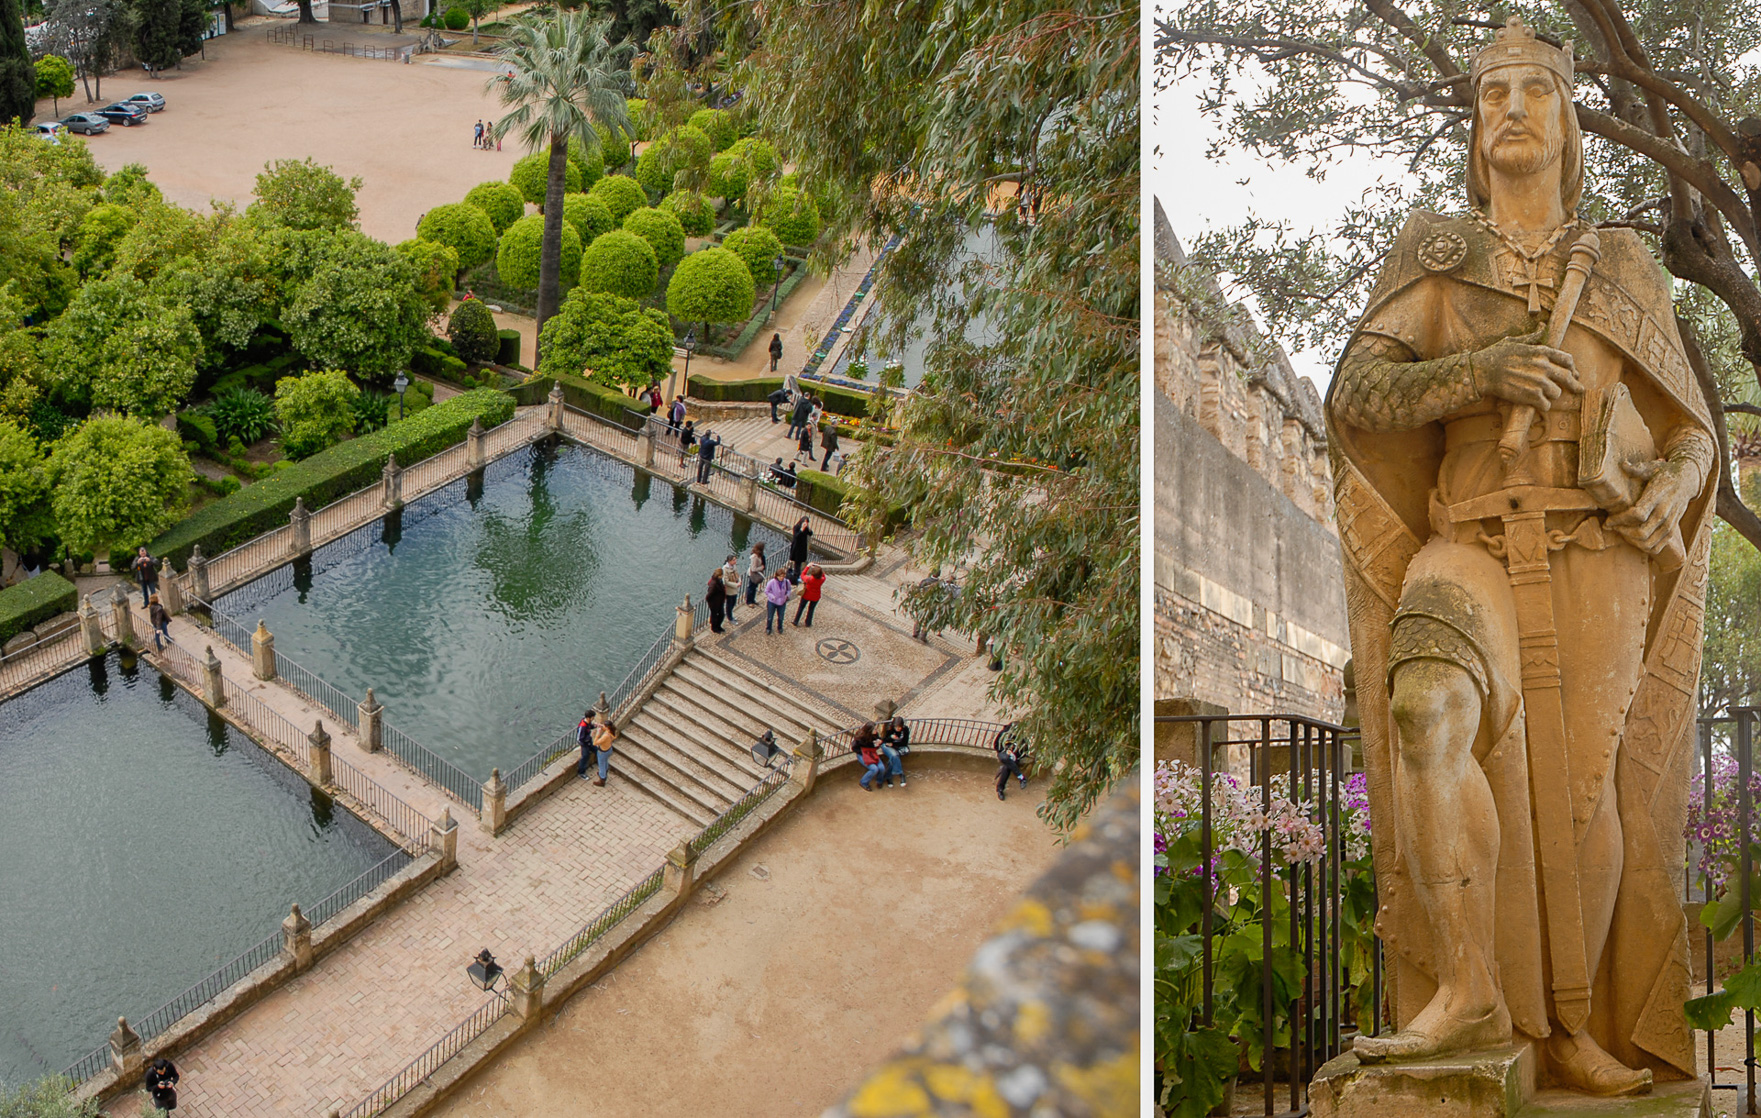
339 1031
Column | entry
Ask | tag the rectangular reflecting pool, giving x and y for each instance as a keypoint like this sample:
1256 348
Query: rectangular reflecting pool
145 843
491 613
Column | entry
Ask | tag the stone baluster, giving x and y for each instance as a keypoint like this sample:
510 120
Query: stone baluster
96 641
122 615
749 491
372 735
299 522
495 803
213 682
681 864
806 768
125 1052
649 438
474 445
602 707
296 938
263 651
393 480
198 574
526 992
319 742
445 839
683 626
556 406
170 590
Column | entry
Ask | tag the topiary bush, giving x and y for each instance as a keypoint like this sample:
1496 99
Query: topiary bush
636 109
620 194
588 161
759 248
675 151
315 411
792 215
588 215
759 156
717 125
437 270
695 215
531 177
729 177
662 231
502 201
473 332
465 227
621 263
243 414
615 147
522 248
711 285
456 19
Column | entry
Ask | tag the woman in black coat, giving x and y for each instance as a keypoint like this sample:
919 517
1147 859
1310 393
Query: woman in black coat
798 549
714 595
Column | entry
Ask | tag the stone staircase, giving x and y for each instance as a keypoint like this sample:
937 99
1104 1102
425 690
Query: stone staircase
689 745
757 437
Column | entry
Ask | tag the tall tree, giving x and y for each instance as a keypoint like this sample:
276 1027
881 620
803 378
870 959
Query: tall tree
156 33
18 75
1014 125
1668 96
92 34
634 20
565 75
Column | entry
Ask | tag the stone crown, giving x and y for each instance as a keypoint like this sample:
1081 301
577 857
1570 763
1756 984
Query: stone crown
1515 44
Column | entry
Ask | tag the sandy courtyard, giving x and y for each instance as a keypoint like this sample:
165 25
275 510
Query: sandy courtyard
404 129
777 998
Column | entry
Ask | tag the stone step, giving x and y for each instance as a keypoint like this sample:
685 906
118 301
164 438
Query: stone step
711 668
789 724
708 776
712 731
638 766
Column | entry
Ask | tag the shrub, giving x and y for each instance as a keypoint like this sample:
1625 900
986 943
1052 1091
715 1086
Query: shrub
370 410
472 331
712 285
360 310
431 362
837 400
615 147
677 150
315 411
522 248
792 215
437 267
507 351
195 427
334 473
456 19
588 215
620 194
531 177
759 248
33 600
716 124
463 227
696 216
829 493
608 403
661 230
621 263
117 482
301 194
759 156
588 162
729 176
636 109
100 231
501 201
622 342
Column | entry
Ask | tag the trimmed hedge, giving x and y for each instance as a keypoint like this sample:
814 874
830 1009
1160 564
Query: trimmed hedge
260 377
828 494
837 400
508 347
585 395
324 477
433 362
33 600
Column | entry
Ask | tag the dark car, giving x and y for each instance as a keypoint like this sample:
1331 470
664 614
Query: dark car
89 123
120 113
152 102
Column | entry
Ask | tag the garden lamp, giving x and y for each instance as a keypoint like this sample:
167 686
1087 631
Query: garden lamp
765 750
402 382
690 348
777 286
485 972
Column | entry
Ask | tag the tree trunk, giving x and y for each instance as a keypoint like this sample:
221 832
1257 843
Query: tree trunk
550 261
227 8
306 15
397 17
473 29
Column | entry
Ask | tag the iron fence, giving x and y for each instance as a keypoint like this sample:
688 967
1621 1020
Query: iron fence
1725 759
539 761
1306 759
765 788
415 829
30 666
389 867
429 1062
610 917
424 762
93 1062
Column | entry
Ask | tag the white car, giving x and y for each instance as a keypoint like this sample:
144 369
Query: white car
51 130
152 102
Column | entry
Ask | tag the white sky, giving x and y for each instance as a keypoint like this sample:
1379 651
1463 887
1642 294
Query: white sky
1198 194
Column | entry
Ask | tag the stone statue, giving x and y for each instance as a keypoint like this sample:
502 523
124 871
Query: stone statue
1524 469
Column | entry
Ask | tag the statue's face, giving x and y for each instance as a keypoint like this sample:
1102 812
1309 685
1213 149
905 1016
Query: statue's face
1520 131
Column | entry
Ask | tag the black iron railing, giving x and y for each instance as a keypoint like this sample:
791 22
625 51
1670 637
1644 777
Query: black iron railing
1721 866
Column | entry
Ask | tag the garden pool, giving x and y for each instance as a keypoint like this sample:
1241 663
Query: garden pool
147 843
492 612
980 243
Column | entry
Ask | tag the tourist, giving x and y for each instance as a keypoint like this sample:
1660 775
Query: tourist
161 1083
895 744
776 599
780 396
798 548
706 455
804 445
776 354
783 475
755 568
828 441
161 622
584 738
1010 757
146 569
798 415
713 596
676 414
812 580
687 436
814 416
602 739
731 584
867 751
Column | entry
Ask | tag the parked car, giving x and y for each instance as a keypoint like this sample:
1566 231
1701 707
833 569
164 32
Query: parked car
89 123
152 102
119 113
49 130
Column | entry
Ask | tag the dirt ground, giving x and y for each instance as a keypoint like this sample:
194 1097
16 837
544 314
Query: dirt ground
828 942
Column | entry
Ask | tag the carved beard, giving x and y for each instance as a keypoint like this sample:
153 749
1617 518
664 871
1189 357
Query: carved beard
1525 155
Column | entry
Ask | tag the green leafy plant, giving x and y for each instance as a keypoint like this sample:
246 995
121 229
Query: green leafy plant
587 160
243 414
464 227
315 411
501 201
683 149
531 177
54 79
50 1097
759 156
522 248
696 216
361 310
759 248
617 340
621 263
662 230
472 331
301 194
437 269
729 176
621 194
711 285
117 481
792 215
588 215
717 125
456 19
636 109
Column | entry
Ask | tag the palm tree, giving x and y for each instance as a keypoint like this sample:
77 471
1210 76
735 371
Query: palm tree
564 77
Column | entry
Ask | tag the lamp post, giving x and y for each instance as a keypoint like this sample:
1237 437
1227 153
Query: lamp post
777 286
402 382
690 348
484 971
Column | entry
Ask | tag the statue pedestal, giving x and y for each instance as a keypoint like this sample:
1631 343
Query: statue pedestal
1496 1083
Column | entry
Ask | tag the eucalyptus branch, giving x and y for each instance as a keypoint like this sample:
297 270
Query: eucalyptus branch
1730 507
1697 173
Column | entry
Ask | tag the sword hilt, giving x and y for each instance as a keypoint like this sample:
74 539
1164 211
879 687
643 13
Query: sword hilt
1584 255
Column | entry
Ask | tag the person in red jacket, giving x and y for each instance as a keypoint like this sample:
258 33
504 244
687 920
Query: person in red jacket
866 746
812 581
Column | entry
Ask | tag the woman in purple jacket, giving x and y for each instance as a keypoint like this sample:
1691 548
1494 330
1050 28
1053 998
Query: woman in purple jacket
776 599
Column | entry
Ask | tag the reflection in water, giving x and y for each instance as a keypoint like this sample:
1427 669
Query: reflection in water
391 529
302 576
639 489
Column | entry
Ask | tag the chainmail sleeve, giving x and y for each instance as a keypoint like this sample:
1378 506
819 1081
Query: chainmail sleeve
1692 447
1381 388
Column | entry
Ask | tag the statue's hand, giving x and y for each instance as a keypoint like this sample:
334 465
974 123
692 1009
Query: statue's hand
1669 487
1523 371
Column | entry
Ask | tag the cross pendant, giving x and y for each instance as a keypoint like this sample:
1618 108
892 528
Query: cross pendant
1533 279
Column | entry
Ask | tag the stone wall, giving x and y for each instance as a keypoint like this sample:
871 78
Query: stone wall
1248 590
